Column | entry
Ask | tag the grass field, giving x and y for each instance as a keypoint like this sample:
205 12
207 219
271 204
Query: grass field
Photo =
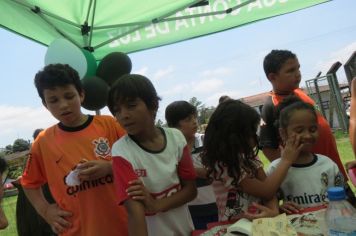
9 204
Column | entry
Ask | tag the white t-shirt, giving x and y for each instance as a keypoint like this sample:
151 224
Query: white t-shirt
160 172
307 184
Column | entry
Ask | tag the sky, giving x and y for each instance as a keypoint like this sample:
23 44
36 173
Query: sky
226 63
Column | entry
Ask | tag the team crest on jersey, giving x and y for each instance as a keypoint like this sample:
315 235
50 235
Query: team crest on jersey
102 147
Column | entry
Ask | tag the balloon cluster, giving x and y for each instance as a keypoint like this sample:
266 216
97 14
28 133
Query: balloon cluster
96 79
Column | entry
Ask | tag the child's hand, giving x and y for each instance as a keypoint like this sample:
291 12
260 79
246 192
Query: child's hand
56 218
137 191
350 164
290 208
91 170
262 211
292 148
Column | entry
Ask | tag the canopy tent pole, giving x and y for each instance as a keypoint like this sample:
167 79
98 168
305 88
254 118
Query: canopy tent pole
92 26
227 11
41 13
36 8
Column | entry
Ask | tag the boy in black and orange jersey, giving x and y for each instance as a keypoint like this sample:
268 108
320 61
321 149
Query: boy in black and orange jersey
282 69
89 207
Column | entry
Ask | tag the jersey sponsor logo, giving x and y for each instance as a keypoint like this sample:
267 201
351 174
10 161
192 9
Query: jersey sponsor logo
141 172
102 147
307 198
89 184
167 192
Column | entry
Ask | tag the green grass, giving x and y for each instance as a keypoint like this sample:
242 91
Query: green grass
9 204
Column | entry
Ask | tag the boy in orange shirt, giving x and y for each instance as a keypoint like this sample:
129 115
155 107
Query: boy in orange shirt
282 69
81 142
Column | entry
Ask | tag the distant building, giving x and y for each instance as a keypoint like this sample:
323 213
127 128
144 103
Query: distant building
257 101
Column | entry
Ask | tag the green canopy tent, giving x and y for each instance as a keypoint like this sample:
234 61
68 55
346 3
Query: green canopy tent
132 25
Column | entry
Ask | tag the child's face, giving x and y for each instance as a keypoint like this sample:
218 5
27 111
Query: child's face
134 116
288 77
188 126
64 104
302 123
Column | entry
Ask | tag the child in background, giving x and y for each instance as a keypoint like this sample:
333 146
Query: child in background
311 174
230 154
87 209
153 169
3 220
183 116
282 69
28 221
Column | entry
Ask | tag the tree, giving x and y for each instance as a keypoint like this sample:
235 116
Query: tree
20 145
160 123
204 112
8 149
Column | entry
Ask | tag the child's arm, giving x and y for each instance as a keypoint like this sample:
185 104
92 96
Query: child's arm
352 120
138 192
269 207
54 216
201 173
268 187
90 170
136 217
3 220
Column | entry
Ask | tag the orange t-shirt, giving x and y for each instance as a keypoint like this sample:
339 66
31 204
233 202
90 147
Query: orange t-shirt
326 143
93 204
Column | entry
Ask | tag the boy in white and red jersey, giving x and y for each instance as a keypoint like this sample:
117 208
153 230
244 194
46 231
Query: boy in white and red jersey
153 169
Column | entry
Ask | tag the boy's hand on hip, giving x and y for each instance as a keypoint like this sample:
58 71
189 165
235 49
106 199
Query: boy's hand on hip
91 170
138 191
56 218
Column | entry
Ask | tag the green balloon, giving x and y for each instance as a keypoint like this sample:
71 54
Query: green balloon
113 66
91 63
96 93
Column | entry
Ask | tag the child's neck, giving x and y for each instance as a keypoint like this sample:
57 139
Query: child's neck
281 92
190 142
304 158
152 139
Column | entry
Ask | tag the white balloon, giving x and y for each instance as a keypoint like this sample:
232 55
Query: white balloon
63 51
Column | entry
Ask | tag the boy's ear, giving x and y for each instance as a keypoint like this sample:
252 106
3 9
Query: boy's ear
82 96
271 76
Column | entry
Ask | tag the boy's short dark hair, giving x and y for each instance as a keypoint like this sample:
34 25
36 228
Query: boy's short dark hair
224 98
3 165
54 75
132 86
36 133
177 111
275 59
287 107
